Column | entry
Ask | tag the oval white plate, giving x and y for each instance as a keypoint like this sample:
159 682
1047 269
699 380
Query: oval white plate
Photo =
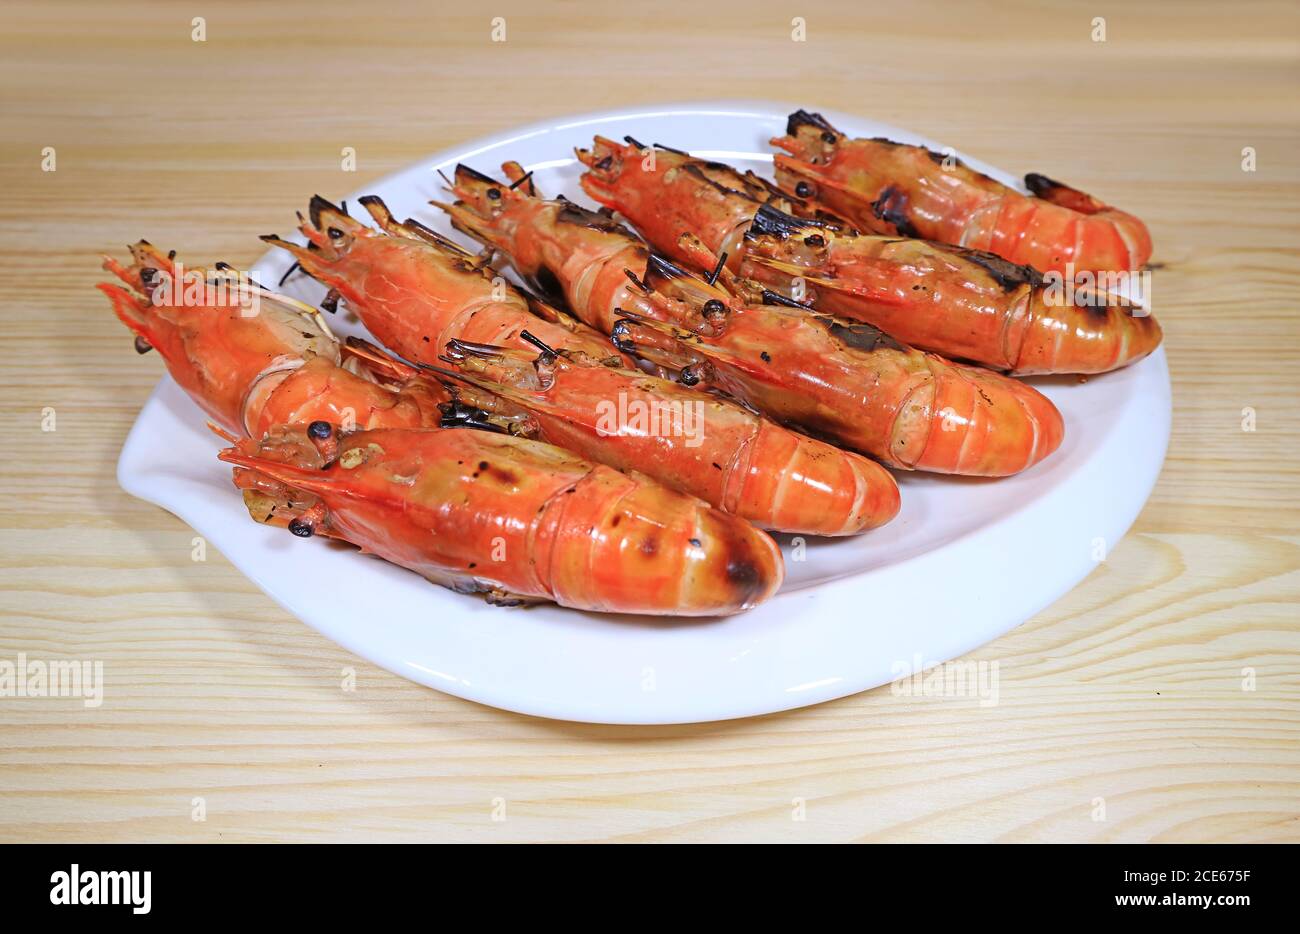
965 561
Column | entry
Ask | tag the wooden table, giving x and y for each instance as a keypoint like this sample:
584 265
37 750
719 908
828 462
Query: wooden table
1127 695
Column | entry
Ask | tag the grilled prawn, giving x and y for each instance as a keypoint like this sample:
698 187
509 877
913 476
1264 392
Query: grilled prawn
514 519
840 380
415 290
959 302
894 188
701 444
473 510
253 359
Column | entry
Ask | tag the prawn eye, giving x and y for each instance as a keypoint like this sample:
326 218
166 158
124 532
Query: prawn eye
803 190
320 429
828 137
713 307
815 240
494 194
301 528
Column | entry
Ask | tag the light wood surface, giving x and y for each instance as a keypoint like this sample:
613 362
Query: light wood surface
1129 689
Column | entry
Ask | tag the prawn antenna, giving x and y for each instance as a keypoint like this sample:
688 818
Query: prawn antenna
291 270
541 345
775 298
717 270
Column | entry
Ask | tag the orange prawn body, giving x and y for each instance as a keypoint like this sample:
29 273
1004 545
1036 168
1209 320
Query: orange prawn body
513 519
416 291
833 378
700 444
253 367
962 303
897 189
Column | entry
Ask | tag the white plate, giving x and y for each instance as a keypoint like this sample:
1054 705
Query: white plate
965 561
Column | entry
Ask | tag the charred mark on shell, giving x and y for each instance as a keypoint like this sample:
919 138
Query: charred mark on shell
891 207
469 585
317 205
1041 185
696 172
571 213
742 574
671 149
546 284
773 222
463 169
804 118
457 414
860 336
1010 276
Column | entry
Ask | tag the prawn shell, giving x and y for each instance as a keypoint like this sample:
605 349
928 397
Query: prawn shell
507 516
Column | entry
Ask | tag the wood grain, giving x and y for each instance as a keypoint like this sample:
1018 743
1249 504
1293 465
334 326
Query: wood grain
1128 690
